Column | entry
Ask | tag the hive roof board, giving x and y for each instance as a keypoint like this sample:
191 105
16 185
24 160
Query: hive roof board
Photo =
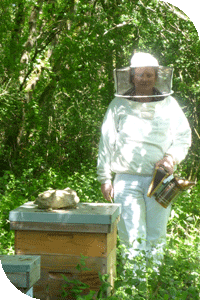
19 263
84 213
22 270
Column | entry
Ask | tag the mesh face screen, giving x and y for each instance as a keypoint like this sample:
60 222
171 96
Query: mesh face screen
124 87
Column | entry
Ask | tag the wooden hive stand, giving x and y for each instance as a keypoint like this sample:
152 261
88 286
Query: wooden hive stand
61 237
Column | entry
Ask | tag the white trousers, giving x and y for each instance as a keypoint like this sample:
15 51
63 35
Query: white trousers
143 220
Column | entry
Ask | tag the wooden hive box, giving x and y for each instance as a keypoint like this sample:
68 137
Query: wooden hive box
23 271
61 237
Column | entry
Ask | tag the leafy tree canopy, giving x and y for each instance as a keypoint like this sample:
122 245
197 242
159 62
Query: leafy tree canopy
57 60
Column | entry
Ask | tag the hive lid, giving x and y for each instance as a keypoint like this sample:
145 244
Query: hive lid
85 213
19 263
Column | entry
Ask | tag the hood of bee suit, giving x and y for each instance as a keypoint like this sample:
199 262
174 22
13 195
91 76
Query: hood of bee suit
124 87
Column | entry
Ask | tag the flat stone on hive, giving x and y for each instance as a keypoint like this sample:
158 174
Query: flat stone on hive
56 199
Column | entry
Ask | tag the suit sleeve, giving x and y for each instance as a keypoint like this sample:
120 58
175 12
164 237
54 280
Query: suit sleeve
181 134
107 144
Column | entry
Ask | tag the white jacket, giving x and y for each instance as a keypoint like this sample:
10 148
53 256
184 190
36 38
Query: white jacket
136 135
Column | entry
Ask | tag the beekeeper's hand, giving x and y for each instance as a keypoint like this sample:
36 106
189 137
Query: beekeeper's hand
107 191
167 163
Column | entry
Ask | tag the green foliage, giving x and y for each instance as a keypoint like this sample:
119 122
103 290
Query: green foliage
75 287
178 277
57 75
56 65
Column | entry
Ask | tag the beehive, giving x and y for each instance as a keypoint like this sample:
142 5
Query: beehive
23 271
61 237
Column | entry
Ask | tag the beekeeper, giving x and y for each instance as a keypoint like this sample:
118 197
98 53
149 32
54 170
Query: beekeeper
144 127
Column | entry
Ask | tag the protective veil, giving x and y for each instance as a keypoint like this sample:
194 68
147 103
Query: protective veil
125 88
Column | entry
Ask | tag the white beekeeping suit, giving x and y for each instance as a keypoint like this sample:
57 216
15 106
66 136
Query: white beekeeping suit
138 132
